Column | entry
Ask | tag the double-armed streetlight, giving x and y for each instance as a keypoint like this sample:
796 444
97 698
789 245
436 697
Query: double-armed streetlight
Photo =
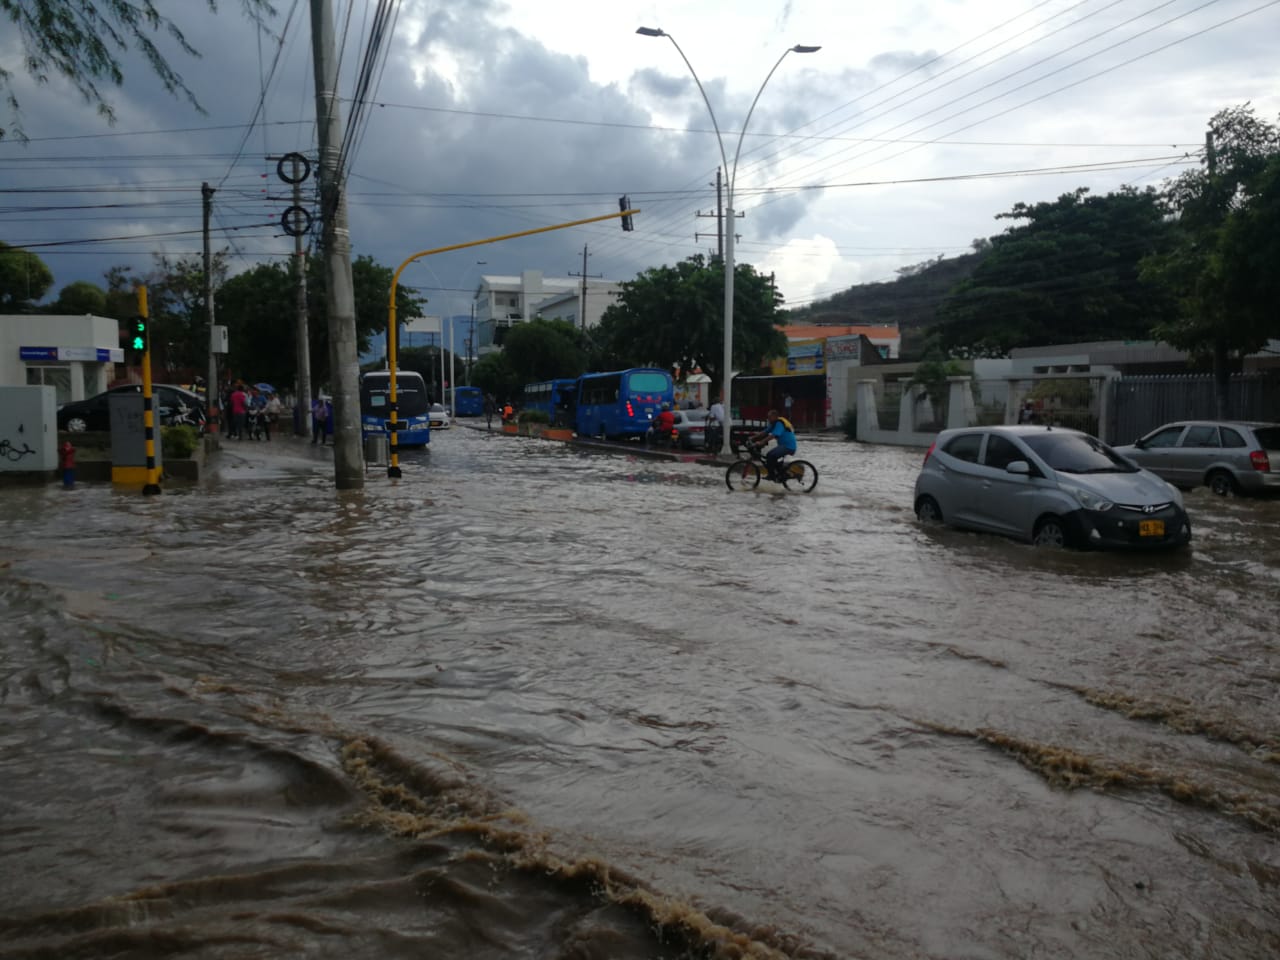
731 173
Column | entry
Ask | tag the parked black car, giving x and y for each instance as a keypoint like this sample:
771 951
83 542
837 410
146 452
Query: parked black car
172 404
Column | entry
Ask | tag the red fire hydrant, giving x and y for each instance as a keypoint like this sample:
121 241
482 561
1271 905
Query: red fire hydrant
67 462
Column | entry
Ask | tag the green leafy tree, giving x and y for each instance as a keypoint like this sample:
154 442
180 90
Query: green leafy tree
81 40
81 297
24 279
1222 268
674 316
543 350
1069 273
494 374
258 309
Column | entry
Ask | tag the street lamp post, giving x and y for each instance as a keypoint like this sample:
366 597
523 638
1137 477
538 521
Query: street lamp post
731 174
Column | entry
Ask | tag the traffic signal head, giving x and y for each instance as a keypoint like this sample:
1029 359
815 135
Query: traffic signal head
624 204
138 335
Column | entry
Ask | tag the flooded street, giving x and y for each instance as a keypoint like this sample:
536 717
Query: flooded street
535 701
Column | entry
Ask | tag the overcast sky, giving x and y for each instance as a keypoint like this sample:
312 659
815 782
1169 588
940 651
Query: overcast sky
491 118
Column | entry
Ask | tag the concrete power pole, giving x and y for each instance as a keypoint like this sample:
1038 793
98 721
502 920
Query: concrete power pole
582 295
344 361
302 401
211 385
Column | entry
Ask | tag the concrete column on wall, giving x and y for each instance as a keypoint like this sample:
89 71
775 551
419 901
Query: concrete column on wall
914 408
1012 401
868 414
960 409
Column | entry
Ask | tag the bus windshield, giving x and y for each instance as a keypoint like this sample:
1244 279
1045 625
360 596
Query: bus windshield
411 394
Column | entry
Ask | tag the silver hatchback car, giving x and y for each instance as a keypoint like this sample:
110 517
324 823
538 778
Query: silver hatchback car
1227 456
1048 486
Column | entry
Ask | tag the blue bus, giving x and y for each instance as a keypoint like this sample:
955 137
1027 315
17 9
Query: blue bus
414 425
555 398
620 404
465 401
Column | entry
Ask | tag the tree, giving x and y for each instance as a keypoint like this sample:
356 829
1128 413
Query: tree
257 307
80 40
24 279
81 297
674 316
543 350
1222 267
493 374
1069 274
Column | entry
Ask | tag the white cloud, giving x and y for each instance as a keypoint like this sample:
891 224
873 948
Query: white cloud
494 118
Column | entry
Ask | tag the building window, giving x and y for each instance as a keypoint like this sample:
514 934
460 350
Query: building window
51 376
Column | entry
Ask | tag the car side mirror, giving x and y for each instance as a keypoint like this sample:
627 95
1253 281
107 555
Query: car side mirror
1020 467
1140 444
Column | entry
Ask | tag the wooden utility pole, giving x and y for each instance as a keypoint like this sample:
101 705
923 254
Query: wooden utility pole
344 361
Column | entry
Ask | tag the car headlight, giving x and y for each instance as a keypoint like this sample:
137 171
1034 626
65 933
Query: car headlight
1088 499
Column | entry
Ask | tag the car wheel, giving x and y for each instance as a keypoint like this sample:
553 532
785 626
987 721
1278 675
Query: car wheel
1050 533
77 425
928 512
1221 483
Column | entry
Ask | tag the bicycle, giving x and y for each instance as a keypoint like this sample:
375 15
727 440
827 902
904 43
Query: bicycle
744 474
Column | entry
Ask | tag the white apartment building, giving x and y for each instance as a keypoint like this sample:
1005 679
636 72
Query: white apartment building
502 301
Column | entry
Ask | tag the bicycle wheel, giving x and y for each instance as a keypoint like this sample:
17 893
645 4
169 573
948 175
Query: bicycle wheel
743 475
803 474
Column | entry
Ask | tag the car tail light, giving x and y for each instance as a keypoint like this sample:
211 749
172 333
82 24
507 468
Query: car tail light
1260 461
929 453
630 410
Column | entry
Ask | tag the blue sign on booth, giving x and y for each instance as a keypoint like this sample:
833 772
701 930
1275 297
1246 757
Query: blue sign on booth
37 353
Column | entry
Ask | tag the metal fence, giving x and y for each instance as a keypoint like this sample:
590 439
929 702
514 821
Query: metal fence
1140 404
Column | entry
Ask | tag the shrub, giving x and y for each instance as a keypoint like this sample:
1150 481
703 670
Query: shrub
533 416
178 443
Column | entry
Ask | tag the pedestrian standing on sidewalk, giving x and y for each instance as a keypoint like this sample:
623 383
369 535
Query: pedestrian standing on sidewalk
786 407
239 405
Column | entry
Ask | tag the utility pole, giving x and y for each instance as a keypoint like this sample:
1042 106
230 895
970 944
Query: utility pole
471 342
344 363
211 384
719 221
303 399
582 297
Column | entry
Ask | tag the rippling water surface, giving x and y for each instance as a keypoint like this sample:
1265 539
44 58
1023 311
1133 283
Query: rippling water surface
536 701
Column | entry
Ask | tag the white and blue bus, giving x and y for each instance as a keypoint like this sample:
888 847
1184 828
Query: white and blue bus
620 404
412 421
555 398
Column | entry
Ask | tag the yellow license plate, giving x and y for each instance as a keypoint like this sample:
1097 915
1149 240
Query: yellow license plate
1151 528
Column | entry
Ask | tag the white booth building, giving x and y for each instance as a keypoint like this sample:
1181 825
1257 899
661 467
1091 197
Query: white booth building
76 355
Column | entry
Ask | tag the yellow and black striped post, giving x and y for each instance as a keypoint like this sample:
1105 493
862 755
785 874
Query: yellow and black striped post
152 484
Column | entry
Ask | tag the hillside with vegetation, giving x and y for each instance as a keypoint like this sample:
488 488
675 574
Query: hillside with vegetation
910 302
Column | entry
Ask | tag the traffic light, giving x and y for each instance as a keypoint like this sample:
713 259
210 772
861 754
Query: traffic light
624 203
138 335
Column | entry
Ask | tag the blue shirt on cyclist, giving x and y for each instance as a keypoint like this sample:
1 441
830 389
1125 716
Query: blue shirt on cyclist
784 434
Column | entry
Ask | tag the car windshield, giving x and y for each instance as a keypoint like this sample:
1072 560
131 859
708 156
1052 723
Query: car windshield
1268 437
1076 453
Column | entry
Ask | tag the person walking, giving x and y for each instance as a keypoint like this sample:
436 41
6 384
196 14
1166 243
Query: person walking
319 414
786 407
490 405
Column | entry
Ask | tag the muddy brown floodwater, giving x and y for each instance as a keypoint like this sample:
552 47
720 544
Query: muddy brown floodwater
534 701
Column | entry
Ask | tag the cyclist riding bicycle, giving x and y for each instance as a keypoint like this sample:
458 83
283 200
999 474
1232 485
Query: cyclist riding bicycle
784 435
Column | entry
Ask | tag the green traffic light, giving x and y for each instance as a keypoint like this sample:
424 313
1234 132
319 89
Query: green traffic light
139 343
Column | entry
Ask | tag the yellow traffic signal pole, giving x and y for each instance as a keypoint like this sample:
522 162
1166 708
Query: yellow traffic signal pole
394 469
152 485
